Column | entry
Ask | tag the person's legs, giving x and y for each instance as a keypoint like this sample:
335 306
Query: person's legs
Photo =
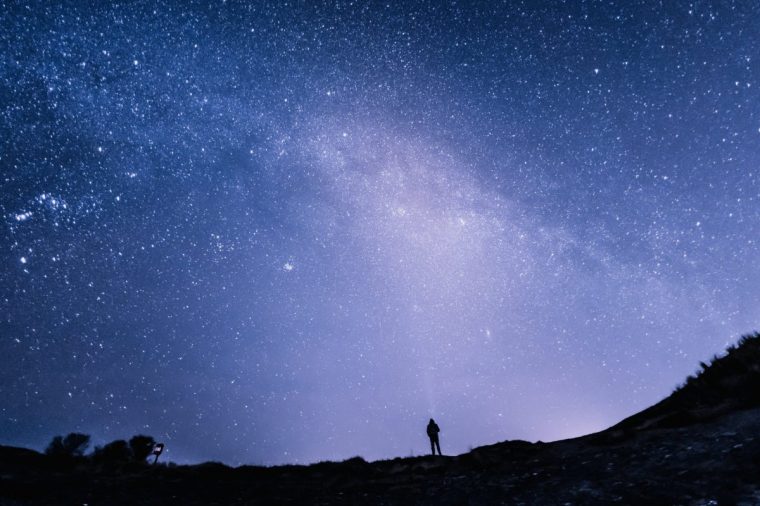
438 444
432 445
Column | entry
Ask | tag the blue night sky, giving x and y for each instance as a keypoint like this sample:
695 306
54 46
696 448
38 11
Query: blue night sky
290 232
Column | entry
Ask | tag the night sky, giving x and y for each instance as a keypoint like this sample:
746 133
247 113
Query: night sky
290 232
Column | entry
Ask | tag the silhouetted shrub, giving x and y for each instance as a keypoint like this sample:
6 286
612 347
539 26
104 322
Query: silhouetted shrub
73 445
141 447
735 375
55 448
115 452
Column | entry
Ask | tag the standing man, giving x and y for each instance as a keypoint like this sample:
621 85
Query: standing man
432 432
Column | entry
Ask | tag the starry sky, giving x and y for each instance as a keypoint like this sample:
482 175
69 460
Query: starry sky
272 232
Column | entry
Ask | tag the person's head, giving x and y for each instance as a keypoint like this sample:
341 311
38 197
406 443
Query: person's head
431 421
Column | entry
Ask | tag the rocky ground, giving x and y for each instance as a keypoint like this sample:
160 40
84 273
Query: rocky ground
715 462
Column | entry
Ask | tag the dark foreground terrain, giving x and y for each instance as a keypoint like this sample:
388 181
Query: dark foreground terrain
700 446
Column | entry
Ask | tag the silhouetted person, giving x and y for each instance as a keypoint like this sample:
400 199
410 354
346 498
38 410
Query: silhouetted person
432 432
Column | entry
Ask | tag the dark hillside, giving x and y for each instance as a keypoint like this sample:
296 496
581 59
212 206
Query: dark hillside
728 383
698 447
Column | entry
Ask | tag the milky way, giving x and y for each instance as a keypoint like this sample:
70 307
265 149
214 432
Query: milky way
268 233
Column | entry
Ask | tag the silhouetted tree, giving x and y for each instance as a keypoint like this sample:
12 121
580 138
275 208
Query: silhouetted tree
73 445
142 447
